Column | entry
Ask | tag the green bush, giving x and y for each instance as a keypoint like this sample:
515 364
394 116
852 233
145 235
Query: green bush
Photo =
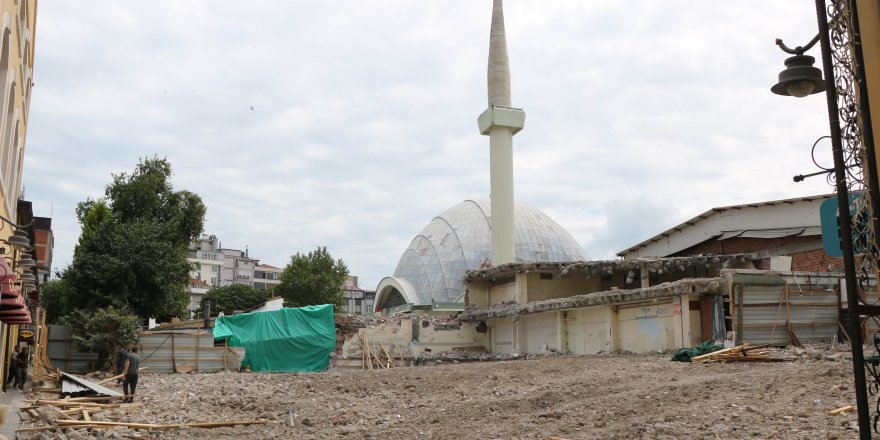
103 329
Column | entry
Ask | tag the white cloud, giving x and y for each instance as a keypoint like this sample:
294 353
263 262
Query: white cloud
363 125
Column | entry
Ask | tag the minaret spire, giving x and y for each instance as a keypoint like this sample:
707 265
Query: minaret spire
500 122
499 65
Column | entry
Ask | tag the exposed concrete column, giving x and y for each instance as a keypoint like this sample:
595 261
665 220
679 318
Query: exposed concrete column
611 343
680 324
519 335
561 332
521 283
644 275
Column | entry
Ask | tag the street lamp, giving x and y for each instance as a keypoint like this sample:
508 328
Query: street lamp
801 79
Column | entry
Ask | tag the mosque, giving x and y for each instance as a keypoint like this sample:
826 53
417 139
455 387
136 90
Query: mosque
723 275
479 232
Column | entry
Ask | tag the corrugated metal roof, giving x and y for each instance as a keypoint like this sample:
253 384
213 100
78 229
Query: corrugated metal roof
714 211
729 234
811 231
771 233
73 384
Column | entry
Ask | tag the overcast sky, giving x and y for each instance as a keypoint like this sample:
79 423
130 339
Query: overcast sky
351 124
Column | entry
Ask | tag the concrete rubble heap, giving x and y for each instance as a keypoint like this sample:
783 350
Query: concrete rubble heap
592 268
665 290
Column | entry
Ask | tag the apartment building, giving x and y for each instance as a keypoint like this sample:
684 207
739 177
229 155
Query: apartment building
357 300
266 277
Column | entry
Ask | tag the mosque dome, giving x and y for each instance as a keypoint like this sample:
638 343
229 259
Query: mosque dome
459 239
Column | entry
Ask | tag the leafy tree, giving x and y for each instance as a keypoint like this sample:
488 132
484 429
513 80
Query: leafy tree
235 297
132 251
101 330
312 279
54 298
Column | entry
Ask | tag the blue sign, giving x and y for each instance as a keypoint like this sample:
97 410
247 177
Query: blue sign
830 222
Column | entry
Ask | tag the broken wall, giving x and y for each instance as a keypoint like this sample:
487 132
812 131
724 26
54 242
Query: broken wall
398 339
553 286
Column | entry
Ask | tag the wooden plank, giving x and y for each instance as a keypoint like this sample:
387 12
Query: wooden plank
198 335
840 410
739 315
86 415
72 423
94 398
731 304
715 353
390 359
79 423
217 424
173 362
367 348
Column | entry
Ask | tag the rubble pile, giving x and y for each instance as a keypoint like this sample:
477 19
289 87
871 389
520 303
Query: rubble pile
347 326
664 290
537 397
91 415
607 267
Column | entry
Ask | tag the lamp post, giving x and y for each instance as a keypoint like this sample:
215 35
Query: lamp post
801 79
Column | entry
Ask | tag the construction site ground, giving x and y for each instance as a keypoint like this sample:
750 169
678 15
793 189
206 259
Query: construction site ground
572 397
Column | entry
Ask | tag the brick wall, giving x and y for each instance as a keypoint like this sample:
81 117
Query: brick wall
812 261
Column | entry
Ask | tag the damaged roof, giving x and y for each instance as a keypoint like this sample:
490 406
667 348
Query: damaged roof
658 265
693 286
721 211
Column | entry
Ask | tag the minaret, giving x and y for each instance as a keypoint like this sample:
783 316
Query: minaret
500 122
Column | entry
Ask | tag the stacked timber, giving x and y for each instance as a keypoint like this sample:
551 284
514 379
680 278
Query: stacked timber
741 353
377 356
78 413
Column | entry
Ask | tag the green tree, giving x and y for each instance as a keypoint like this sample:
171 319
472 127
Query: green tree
54 298
312 279
132 251
228 299
99 331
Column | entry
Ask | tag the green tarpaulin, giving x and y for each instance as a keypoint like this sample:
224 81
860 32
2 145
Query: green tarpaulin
685 354
299 339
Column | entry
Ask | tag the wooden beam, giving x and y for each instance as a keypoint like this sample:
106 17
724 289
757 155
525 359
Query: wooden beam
842 409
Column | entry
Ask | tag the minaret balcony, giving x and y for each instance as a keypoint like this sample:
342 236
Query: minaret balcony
495 116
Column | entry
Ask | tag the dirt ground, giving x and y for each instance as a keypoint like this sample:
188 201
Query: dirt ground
572 397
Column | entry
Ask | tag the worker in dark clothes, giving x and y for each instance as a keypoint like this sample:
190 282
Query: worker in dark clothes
21 373
12 368
121 356
132 363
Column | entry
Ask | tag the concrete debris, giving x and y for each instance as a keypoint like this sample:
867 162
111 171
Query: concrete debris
590 268
665 290
537 397
348 325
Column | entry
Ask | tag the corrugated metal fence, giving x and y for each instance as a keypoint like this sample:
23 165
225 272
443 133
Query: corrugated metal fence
186 350
792 308
64 352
